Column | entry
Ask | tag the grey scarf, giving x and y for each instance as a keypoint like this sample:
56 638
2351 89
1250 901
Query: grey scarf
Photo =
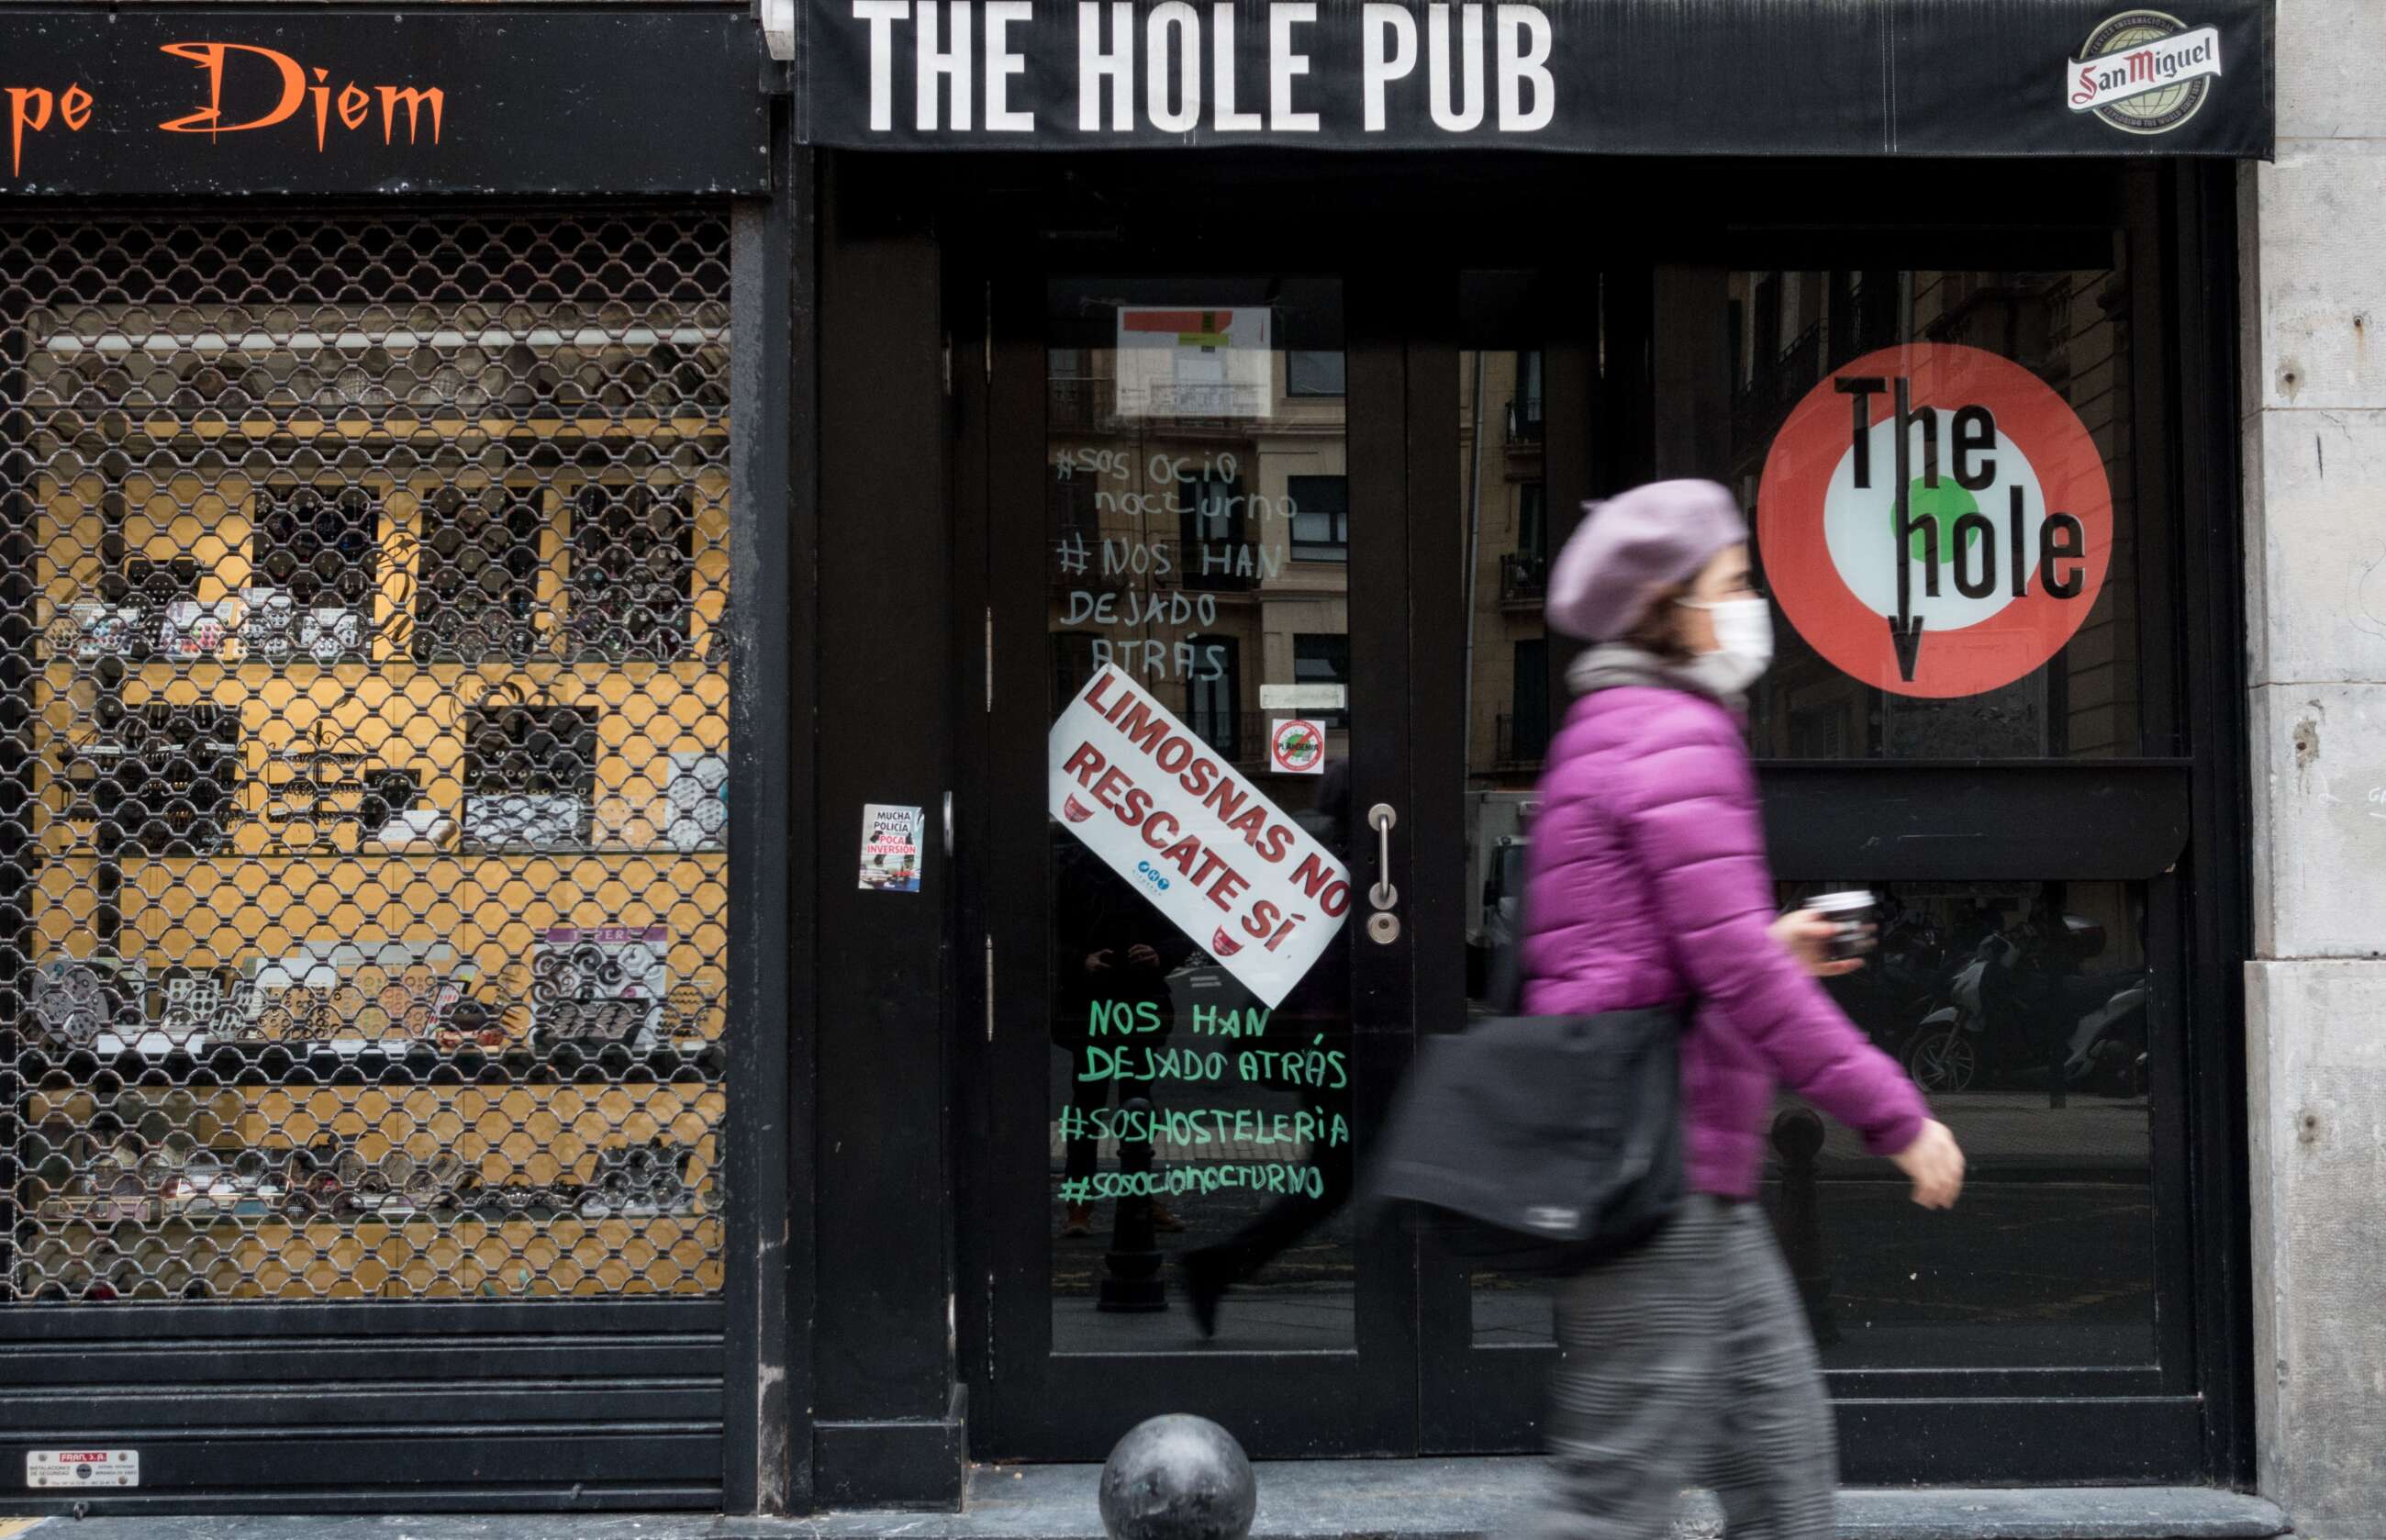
1611 665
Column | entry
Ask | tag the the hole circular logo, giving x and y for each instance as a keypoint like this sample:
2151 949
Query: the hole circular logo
2174 64
1935 521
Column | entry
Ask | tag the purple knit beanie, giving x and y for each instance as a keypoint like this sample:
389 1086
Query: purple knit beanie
1633 545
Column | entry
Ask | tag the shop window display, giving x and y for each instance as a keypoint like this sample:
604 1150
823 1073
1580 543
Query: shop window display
313 559
529 773
481 565
365 891
2029 1012
631 572
156 781
2034 1015
2022 1011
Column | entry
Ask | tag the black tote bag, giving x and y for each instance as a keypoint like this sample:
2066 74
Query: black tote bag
1540 1144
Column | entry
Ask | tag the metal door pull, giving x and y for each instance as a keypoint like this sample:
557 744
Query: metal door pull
1380 818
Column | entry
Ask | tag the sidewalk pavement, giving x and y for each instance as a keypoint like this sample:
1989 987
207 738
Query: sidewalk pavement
1383 1500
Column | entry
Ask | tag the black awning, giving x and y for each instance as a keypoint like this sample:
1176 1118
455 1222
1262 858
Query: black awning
1614 77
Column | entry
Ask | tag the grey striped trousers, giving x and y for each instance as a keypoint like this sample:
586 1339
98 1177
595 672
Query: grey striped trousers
1689 1363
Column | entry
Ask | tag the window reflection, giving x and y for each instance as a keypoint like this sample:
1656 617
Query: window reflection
1200 530
2022 1011
1321 526
1507 703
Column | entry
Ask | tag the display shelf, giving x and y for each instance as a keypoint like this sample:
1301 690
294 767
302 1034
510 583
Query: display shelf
397 424
61 668
465 1257
480 1211
291 851
303 1064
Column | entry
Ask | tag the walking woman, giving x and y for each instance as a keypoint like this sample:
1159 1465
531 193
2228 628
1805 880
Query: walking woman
1689 1362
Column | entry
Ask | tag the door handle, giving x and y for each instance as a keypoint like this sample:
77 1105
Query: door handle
1380 818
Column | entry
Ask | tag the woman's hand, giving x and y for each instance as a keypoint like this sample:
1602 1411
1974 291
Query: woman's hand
1936 1164
1807 936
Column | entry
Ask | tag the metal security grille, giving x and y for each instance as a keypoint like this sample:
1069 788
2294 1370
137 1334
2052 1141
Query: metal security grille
363 722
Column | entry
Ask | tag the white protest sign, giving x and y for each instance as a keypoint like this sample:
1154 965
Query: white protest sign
1226 866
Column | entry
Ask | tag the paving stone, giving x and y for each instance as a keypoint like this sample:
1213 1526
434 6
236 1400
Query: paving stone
1389 1499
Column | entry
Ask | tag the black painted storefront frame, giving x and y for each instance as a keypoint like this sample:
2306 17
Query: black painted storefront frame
694 1404
884 216
846 1339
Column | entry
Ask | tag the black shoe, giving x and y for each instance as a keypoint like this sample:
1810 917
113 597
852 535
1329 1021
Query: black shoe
1206 1277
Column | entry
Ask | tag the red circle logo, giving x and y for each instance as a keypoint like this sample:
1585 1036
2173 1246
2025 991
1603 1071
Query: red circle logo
1935 521
1296 747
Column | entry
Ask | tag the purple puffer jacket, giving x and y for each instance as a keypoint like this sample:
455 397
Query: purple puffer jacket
1647 883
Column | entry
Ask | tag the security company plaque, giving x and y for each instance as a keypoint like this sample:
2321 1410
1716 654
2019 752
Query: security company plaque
52 1469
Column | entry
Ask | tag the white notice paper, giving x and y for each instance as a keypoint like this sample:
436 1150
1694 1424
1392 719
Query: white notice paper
1184 361
1225 865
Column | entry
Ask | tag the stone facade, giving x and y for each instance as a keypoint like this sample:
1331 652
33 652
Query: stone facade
2315 439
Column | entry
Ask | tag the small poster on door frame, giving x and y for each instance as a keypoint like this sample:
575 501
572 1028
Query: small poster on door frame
890 847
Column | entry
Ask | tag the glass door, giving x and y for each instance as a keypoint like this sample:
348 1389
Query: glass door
1200 994
1516 407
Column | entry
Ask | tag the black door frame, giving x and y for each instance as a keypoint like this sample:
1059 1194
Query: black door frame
1037 1404
2190 1414
1454 1396
1480 1396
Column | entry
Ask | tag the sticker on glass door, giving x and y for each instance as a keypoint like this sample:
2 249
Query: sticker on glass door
1935 521
1181 361
1226 865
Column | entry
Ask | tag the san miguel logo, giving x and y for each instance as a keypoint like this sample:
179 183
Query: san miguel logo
244 87
2143 71
1935 521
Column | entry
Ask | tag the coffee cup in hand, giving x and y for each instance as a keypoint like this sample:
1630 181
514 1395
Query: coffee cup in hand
1850 914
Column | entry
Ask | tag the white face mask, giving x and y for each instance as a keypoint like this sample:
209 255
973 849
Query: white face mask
1743 631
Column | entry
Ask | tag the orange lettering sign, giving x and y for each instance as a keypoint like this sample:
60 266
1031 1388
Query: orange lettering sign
212 58
415 99
31 108
350 103
20 98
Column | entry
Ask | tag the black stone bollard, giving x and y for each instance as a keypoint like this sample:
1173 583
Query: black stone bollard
1133 1261
1797 1139
1178 1478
